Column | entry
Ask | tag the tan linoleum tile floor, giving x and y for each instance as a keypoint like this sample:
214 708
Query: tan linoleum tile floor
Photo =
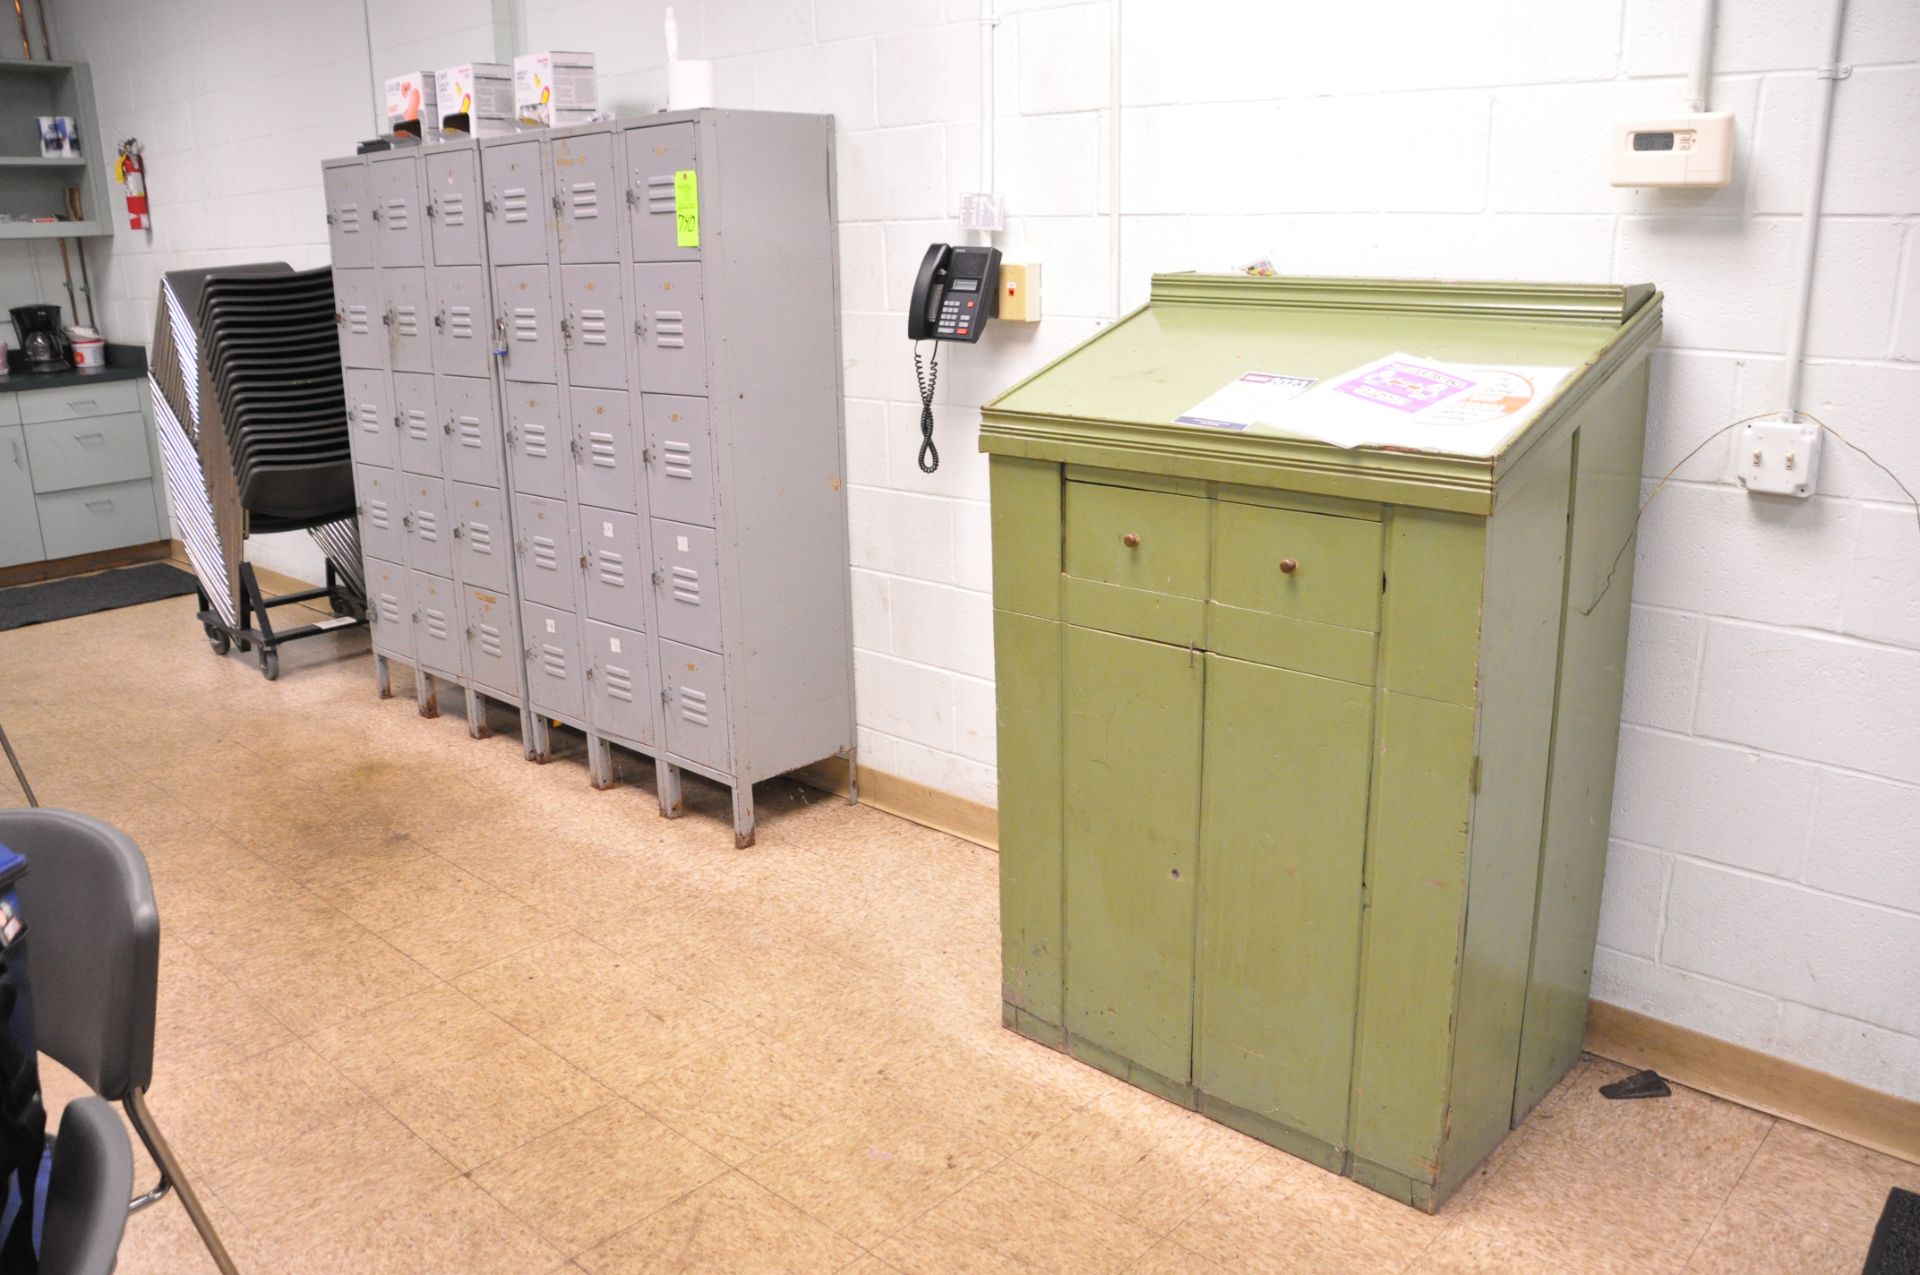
425 1007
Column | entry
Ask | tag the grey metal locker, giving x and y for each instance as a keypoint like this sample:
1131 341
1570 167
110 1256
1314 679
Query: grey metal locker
671 327
538 437
548 561
679 458
516 204
453 206
619 694
617 571
437 635
348 220
603 438
556 680
361 315
462 324
421 428
493 653
483 543
654 155
596 330
382 508
390 608
695 687
687 583
429 529
473 429
410 333
527 324
401 235
586 179
371 417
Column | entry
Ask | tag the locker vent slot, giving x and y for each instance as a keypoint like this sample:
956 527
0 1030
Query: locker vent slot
437 626
513 203
553 661
660 193
677 459
417 425
533 439
593 327
601 451
670 329
526 323
693 705
453 208
490 640
369 414
686 586
407 319
586 200
460 322
359 320
619 683
546 553
427 524
613 568
467 431
347 218
389 608
480 538
378 514
396 214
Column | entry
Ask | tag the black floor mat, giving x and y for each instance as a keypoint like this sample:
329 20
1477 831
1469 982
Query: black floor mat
1896 1241
83 595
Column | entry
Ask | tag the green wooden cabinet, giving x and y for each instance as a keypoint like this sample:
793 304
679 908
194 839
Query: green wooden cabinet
1306 754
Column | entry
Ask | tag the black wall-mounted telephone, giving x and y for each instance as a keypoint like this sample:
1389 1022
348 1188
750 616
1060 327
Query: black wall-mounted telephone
953 297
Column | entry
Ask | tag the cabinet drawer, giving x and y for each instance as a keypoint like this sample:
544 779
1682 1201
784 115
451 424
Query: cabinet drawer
86 453
73 402
1295 589
89 519
1136 562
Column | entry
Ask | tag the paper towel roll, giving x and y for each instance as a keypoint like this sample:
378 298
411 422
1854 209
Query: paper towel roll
689 85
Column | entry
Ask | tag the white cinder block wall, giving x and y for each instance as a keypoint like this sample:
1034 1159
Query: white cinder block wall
1764 884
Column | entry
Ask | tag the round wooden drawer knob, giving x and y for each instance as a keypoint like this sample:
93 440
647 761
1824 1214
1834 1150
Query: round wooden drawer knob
1288 566
1130 540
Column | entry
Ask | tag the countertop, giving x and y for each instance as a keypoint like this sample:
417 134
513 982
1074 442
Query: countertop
124 363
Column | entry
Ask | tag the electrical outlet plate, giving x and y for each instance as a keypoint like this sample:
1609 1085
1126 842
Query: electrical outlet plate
1780 457
981 211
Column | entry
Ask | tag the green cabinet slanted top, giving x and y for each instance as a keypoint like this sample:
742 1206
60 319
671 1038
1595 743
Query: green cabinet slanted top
1307 752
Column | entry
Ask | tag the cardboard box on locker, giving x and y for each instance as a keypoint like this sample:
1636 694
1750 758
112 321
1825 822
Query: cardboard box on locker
476 98
555 88
411 103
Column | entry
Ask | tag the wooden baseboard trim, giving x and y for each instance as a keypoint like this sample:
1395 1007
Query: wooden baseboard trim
1880 1121
913 801
84 564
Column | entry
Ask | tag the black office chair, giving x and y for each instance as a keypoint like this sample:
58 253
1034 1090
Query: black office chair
95 962
86 1204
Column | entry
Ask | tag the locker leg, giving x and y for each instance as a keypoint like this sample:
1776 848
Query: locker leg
426 693
536 739
667 780
742 816
477 727
599 762
383 676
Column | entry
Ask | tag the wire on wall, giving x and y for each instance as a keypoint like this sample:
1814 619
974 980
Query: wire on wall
1113 159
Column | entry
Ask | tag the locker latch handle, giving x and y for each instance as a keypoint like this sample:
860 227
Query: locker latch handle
399 420
646 455
583 562
406 521
659 577
433 208
447 427
386 317
566 333
376 212
329 219
559 204
633 197
640 326
589 672
486 206
456 530
440 320
666 696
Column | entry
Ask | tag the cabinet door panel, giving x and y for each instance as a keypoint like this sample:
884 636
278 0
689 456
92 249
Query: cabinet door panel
1283 839
596 331
541 457
584 178
547 561
672 329
348 218
395 186
19 524
370 418
616 572
516 203
654 155
603 448
437 629
473 434
679 458
493 645
453 186
360 314
620 695
421 428
528 329
1132 749
481 536
462 324
411 335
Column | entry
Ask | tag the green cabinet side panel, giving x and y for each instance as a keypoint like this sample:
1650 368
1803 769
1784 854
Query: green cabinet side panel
1435 563
1026 535
1586 735
1519 662
1283 839
1416 875
1133 712
1026 653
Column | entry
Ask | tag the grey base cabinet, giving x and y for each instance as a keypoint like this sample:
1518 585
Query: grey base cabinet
78 474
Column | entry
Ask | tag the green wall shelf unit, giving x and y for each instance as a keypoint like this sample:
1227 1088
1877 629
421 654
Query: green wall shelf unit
31 186
1306 753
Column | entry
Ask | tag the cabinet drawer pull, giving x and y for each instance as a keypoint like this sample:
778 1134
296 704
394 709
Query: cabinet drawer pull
1130 540
98 505
1288 566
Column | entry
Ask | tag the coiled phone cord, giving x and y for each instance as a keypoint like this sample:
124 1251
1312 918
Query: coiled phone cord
928 375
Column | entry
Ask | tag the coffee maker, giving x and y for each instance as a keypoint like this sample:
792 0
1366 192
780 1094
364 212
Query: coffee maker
43 345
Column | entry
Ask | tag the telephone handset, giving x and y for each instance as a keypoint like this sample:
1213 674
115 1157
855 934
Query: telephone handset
953 297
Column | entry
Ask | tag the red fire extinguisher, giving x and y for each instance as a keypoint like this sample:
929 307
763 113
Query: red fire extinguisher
131 172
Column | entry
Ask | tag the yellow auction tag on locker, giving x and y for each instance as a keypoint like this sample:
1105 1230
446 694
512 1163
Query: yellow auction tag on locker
686 208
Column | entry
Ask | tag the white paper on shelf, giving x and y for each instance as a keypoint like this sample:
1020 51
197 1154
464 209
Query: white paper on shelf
1247 398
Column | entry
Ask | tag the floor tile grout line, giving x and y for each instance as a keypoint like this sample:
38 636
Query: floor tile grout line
1721 1208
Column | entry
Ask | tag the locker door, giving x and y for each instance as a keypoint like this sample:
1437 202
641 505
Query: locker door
584 176
382 510
548 563
556 681
616 571
493 649
461 340
672 329
538 438
411 330
390 608
436 623
596 326
654 155
429 529
347 216
360 315
395 186
370 418
516 204
679 458
687 583
453 206
603 449
481 537
525 310
420 425
473 432
619 696
696 699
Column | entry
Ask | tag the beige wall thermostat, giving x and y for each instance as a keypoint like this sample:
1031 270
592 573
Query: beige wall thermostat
1674 150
